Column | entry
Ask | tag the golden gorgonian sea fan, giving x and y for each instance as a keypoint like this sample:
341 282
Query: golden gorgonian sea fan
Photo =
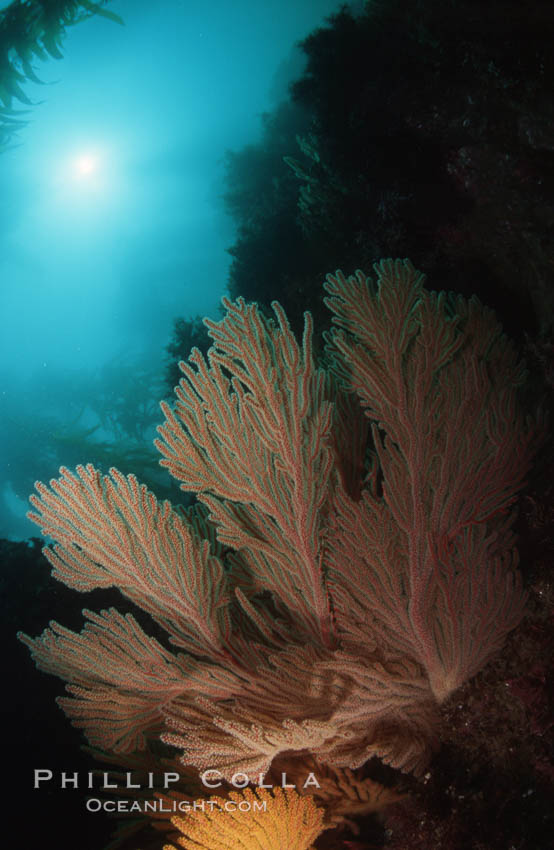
252 819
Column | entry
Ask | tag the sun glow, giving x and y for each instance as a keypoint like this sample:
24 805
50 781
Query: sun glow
85 175
85 165
83 181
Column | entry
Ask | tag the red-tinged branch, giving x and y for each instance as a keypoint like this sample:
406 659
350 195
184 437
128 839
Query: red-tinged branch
256 446
111 531
438 380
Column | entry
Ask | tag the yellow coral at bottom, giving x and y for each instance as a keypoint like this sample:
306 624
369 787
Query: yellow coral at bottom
252 820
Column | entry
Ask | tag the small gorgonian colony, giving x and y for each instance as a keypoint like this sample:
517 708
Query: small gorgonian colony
255 820
349 562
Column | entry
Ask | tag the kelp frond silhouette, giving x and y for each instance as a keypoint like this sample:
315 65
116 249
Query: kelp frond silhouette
33 30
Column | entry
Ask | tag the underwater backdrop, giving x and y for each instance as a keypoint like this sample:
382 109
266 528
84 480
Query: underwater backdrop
354 581
112 218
